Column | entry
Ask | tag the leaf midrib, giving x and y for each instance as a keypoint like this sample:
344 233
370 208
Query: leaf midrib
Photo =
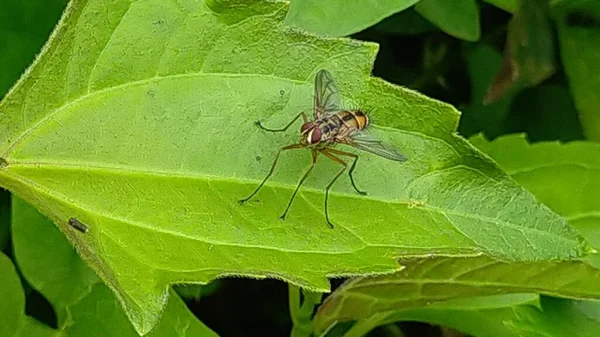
243 181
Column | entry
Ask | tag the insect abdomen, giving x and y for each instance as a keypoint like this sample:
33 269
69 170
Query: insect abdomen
355 118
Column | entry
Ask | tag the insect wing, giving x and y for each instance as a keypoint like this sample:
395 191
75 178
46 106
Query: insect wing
375 146
327 97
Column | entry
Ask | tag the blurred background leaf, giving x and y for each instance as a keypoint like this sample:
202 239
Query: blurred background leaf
458 18
507 5
338 17
558 317
529 55
578 25
4 220
24 28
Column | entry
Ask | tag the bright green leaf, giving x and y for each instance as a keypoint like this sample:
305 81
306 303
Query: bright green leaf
146 134
339 17
83 303
426 281
459 18
566 177
578 25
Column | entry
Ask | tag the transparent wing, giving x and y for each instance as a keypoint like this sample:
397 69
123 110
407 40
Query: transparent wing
327 97
368 143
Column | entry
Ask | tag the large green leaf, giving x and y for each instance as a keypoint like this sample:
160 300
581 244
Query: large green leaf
146 134
340 18
426 281
459 18
83 304
578 25
563 176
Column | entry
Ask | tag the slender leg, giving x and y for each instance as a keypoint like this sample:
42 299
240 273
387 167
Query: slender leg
352 155
302 114
314 161
289 147
341 162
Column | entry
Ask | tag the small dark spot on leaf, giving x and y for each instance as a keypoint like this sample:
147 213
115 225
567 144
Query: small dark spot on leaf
581 19
281 92
78 225
3 163
151 93
258 158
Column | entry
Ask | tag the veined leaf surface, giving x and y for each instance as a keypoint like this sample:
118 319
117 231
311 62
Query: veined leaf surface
563 176
138 119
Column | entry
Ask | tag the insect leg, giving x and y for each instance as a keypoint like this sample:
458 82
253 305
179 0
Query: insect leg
328 154
289 147
302 114
314 161
352 155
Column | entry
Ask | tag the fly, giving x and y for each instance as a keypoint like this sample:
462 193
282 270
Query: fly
330 126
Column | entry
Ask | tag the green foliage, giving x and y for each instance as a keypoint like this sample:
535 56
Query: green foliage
52 267
564 178
458 18
339 18
24 27
137 119
579 38
529 55
559 317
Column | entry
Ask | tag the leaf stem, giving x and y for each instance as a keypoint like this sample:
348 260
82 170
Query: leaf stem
301 313
363 326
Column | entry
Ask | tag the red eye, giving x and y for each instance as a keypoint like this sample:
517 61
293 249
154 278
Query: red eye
315 136
306 126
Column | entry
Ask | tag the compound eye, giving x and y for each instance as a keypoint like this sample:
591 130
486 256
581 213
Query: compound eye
306 126
315 136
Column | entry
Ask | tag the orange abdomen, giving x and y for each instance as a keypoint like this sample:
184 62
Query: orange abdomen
355 119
